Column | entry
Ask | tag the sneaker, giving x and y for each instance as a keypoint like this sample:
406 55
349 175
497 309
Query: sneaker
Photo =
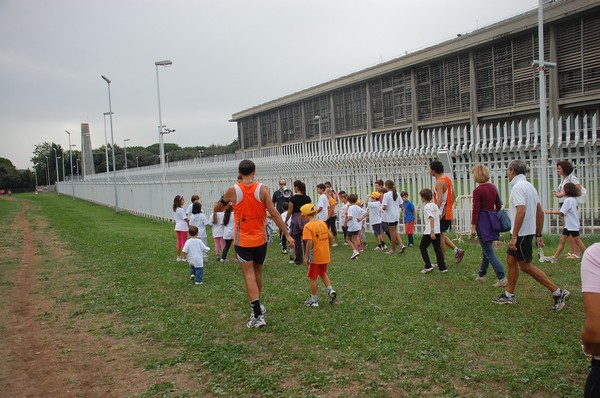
332 296
480 278
345 243
503 299
434 265
402 249
335 245
501 282
365 244
458 256
410 245
291 262
184 259
390 252
384 247
198 283
551 259
377 248
572 256
192 277
426 270
178 259
541 256
560 301
355 254
443 270
311 303
284 251
256 322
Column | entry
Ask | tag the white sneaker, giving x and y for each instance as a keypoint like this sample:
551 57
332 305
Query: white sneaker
355 253
332 296
551 259
501 282
198 283
335 245
480 278
256 322
178 259
311 303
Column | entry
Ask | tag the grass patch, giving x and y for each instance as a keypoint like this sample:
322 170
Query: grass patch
395 332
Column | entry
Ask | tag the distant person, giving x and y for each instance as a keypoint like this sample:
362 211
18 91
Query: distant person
181 224
251 200
217 233
9 193
565 171
331 215
228 226
199 220
590 338
194 251
344 214
299 199
443 196
318 240
527 217
278 196
409 218
391 216
374 209
431 234
354 218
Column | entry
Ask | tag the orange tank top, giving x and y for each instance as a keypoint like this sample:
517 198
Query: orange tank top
446 207
250 215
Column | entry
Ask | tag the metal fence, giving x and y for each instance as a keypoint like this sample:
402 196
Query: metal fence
353 163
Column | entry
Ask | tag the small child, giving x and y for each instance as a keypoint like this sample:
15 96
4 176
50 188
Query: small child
570 212
343 214
200 221
409 217
362 234
354 223
228 228
194 251
431 217
193 199
317 238
374 206
285 206
331 216
217 233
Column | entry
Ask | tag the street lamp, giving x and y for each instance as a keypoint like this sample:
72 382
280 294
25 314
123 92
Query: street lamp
63 165
71 164
78 160
56 160
47 172
112 139
125 147
106 146
137 162
162 130
318 119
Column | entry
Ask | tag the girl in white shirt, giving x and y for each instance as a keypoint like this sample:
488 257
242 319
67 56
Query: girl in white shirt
181 224
228 227
199 220
391 215
570 212
217 232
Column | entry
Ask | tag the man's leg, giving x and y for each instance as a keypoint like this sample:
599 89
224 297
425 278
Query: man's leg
250 278
537 274
513 273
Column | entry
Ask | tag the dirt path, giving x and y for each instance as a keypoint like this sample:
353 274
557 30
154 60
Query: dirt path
45 352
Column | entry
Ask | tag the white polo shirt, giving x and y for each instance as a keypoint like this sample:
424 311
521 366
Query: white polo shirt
323 203
523 193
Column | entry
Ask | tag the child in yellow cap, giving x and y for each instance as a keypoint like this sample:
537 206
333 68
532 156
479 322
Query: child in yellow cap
317 239
374 207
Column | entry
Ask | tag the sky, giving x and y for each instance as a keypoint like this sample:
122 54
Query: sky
228 56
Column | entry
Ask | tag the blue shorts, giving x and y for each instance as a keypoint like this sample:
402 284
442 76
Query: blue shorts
376 229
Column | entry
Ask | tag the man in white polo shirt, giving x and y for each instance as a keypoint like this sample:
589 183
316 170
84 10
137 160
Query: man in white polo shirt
590 286
527 218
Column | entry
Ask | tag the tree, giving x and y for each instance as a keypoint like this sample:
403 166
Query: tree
9 175
44 162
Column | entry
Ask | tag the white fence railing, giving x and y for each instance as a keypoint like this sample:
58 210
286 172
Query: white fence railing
353 163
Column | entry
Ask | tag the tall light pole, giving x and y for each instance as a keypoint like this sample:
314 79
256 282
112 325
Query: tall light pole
106 147
162 130
63 165
71 164
112 139
47 172
318 119
56 159
78 161
125 147
137 162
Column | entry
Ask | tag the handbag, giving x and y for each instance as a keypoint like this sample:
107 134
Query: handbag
504 220
582 198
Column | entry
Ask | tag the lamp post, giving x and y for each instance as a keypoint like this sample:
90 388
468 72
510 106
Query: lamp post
125 147
162 130
56 160
78 160
137 162
63 165
47 172
35 172
71 164
106 147
318 119
112 139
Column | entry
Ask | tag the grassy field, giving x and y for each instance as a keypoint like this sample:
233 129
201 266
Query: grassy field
393 333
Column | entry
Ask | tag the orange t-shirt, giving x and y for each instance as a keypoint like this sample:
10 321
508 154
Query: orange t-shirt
318 232
446 207
331 209
250 215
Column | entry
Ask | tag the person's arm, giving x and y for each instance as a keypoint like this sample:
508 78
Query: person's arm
309 246
590 337
289 212
432 224
265 196
228 196
439 193
539 225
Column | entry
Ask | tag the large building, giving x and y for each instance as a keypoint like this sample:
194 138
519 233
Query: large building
483 76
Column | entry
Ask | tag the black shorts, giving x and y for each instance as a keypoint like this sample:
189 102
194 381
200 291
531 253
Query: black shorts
247 254
445 225
350 234
524 252
570 233
391 224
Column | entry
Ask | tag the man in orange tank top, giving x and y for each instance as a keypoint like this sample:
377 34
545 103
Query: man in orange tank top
443 196
251 200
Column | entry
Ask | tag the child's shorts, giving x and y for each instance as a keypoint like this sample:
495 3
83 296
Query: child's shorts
574 234
376 229
316 270
409 228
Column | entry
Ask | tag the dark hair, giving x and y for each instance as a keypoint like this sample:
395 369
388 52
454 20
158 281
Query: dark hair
389 184
566 166
379 182
341 193
322 187
352 198
328 183
246 167
193 230
227 214
285 206
301 186
426 194
194 198
403 193
436 166
196 208
177 202
571 190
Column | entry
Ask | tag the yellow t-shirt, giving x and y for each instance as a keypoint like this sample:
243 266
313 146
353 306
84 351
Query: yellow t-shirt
318 232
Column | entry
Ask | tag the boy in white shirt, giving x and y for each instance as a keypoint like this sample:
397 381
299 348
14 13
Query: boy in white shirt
194 251
354 222
431 235
322 203
374 206
343 214
199 220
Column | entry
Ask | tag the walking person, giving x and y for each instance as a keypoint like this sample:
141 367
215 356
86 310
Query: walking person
251 200
431 234
443 196
281 199
486 202
374 208
527 217
590 338
322 203
299 199
391 215
565 170
331 215
409 217
194 251
228 227
218 228
181 224
354 218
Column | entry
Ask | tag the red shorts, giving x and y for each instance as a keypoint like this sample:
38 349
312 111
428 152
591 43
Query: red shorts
409 228
316 270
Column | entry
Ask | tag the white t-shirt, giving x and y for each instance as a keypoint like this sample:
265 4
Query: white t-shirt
180 223
431 210
343 213
289 222
194 248
374 207
323 203
200 221
218 227
228 229
355 212
523 193
392 210
571 213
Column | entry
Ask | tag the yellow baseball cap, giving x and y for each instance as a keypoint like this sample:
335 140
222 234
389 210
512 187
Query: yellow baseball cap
308 209
375 195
